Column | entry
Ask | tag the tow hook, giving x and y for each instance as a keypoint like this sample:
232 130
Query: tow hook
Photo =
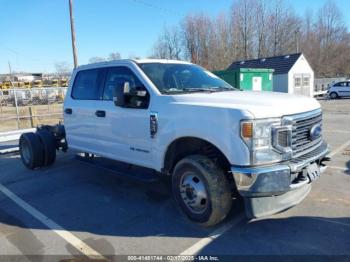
325 159
323 165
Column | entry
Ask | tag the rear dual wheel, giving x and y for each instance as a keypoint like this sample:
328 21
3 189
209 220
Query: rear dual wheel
31 150
49 143
37 149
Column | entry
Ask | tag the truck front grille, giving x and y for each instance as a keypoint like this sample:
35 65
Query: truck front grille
302 125
282 138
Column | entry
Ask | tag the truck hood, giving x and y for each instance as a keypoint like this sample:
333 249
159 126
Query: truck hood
259 104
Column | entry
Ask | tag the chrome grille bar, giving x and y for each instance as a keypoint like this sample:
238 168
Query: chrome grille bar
301 126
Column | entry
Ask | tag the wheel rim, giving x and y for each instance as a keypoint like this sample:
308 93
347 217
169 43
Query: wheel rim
25 151
333 95
193 192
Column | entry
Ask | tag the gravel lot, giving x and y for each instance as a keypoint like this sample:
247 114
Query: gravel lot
74 205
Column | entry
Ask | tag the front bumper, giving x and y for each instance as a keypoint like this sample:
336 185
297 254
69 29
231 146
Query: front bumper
270 189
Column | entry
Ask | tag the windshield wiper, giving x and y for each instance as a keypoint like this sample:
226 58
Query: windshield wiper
224 88
210 89
201 89
172 90
187 90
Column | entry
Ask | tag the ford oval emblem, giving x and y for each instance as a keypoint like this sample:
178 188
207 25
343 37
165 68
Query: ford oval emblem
315 131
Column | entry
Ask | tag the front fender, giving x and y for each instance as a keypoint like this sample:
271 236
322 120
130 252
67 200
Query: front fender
218 126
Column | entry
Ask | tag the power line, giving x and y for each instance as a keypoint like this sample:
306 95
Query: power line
9 49
25 57
162 9
19 54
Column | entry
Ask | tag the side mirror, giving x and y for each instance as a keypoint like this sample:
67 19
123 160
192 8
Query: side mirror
141 93
126 96
136 91
118 95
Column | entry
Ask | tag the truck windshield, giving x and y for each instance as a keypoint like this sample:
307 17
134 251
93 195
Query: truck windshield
183 78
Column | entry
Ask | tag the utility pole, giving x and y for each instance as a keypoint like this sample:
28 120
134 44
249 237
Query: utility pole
15 95
10 71
297 40
72 29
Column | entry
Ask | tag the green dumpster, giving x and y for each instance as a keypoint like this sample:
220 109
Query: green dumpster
256 79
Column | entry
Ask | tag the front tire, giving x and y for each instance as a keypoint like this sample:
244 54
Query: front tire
202 190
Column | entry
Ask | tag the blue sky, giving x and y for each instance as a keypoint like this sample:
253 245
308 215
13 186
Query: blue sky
35 34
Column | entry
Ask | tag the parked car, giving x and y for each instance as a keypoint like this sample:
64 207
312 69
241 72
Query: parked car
179 120
339 89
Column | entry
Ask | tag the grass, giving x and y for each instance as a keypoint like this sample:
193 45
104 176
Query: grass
41 114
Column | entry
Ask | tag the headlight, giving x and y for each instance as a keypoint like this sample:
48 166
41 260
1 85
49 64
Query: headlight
257 134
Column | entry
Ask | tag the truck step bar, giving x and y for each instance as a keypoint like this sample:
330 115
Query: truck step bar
121 169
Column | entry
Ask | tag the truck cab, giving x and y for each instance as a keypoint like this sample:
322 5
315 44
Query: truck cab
215 141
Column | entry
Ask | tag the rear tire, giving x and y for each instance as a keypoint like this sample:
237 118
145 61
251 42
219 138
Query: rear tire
49 143
31 150
202 190
333 95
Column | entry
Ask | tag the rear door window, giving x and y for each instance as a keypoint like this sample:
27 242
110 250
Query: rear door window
87 84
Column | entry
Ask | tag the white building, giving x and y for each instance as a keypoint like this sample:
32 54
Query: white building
293 74
23 77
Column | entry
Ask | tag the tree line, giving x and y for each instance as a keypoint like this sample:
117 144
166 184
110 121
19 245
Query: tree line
260 28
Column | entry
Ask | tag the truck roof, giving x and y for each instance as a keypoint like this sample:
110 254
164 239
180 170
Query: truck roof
141 61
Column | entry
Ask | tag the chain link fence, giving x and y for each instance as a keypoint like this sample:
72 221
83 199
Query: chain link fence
25 108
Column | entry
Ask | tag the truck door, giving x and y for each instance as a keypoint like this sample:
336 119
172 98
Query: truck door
125 130
80 110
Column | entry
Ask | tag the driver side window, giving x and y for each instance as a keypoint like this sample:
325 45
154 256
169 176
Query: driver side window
119 77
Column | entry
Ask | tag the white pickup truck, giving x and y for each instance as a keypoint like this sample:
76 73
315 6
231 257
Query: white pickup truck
180 120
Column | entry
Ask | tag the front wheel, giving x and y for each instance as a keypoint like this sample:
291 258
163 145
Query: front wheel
202 190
